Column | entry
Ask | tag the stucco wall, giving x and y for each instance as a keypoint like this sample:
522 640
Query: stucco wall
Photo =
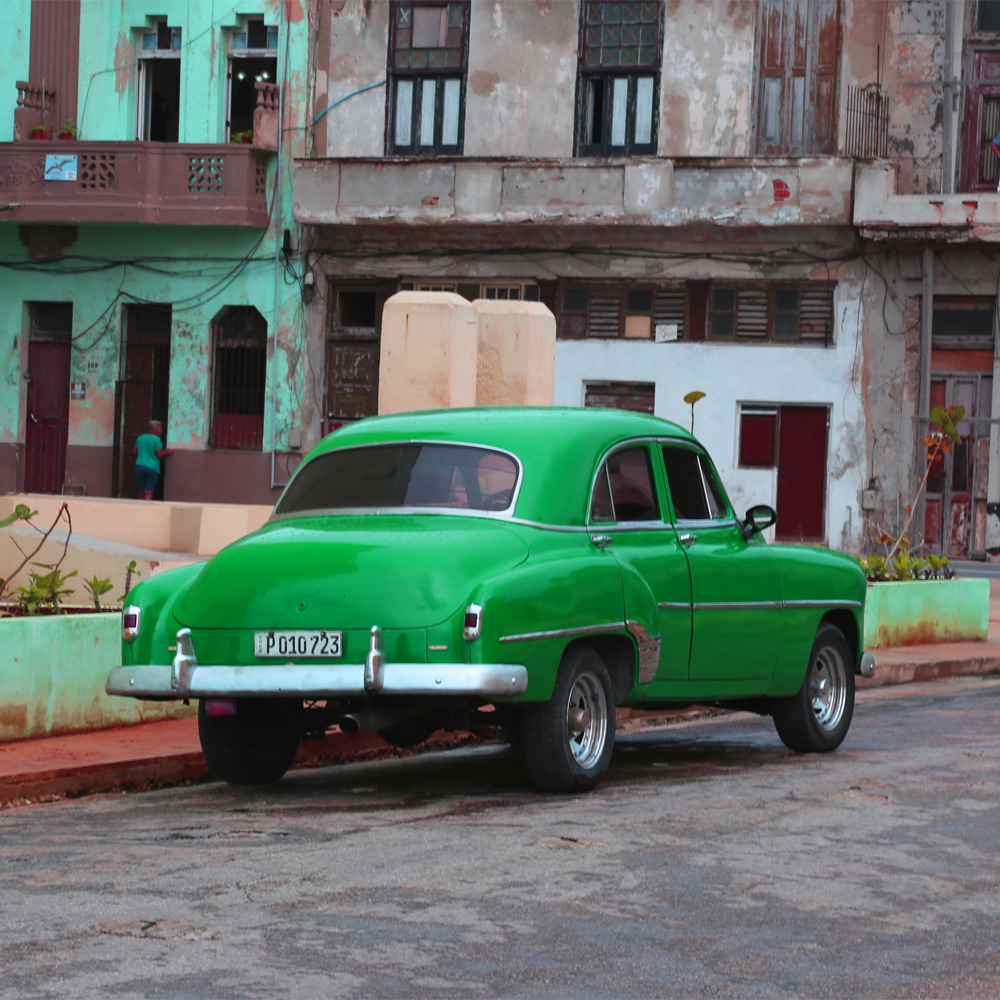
733 374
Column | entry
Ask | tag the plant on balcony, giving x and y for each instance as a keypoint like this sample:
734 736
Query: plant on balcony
242 138
67 130
40 132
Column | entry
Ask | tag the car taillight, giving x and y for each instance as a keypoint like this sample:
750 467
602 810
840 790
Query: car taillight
473 622
130 623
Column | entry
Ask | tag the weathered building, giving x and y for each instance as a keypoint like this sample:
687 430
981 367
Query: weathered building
669 178
149 266
928 215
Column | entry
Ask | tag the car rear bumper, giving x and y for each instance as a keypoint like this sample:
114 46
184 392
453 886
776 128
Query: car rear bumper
186 678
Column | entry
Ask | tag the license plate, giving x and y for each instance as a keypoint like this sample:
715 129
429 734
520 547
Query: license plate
309 643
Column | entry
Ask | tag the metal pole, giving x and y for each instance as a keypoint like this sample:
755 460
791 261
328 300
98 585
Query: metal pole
924 401
948 97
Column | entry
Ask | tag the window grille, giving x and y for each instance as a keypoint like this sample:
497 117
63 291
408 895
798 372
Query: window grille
240 379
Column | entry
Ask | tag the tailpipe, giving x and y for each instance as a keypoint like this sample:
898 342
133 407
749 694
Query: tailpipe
373 719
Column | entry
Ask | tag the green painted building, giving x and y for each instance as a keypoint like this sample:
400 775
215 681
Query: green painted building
150 263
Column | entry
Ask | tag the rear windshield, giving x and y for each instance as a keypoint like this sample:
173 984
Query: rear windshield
403 475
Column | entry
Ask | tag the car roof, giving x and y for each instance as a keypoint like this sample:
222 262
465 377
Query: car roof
559 447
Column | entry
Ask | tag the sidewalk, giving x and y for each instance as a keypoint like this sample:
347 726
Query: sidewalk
161 754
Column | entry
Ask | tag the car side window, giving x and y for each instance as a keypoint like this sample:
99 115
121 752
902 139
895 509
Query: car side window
624 488
693 490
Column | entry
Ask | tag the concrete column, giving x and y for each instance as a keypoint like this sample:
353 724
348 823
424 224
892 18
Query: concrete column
429 350
517 354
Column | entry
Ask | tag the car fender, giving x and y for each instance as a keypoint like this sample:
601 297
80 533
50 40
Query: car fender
531 614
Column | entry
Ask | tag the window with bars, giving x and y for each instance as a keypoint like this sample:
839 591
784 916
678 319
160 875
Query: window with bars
772 313
618 89
513 291
650 313
239 379
428 46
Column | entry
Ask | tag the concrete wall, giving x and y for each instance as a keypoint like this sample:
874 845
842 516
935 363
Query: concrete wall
54 673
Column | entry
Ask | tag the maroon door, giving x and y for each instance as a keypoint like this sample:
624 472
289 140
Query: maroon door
980 124
47 417
801 473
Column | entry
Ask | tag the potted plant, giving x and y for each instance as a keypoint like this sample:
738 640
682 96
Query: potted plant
242 138
41 132
67 130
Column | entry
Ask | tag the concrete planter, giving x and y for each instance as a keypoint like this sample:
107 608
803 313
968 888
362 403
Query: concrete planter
53 675
918 612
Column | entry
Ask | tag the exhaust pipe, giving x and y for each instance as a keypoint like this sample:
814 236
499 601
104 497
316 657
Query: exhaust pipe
373 719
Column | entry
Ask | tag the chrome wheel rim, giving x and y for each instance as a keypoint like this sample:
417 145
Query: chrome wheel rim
828 687
587 721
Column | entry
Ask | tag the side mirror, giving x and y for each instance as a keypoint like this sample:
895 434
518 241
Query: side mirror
758 518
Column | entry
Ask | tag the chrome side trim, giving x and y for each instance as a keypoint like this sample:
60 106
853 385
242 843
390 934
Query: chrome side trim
738 606
649 651
822 604
566 632
319 680
680 605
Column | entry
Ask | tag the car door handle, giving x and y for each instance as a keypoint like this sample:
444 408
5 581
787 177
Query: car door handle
688 539
601 541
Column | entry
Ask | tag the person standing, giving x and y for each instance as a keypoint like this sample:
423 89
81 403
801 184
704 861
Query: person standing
148 451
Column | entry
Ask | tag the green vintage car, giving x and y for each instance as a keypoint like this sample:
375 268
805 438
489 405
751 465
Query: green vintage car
516 569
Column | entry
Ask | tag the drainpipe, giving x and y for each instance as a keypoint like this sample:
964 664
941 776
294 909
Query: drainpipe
924 400
278 228
948 99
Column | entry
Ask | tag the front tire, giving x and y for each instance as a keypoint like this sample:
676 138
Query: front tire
254 746
816 718
567 741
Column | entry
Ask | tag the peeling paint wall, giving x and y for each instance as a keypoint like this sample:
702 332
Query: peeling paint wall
197 270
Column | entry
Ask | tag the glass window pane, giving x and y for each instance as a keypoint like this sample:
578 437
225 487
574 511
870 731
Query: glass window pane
639 302
428 27
619 103
404 111
786 327
770 119
632 486
574 300
644 110
988 15
449 127
786 300
427 113
687 492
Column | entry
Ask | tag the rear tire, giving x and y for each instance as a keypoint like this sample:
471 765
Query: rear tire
256 745
816 718
567 741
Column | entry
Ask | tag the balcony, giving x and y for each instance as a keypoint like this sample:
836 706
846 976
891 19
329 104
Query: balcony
881 214
711 198
52 181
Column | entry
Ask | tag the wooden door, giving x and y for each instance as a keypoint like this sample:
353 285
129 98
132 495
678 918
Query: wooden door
352 354
47 415
798 76
801 499
980 125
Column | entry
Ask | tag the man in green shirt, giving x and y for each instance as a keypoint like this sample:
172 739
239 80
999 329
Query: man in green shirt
148 451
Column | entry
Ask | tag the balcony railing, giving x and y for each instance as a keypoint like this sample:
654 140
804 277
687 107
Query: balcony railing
150 182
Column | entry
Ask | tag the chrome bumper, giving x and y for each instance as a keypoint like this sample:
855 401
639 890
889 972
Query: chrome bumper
186 679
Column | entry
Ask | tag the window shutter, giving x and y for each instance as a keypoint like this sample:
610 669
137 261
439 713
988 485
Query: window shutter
604 317
751 312
670 307
816 313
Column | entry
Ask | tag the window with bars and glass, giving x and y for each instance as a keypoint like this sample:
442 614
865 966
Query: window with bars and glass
239 379
772 313
428 48
618 91
649 313
513 291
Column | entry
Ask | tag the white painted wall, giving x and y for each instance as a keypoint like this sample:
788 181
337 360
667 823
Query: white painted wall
733 374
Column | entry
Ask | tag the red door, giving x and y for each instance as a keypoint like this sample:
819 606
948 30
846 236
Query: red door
801 473
47 417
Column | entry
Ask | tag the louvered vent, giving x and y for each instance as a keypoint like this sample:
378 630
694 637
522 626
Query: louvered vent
670 307
816 313
751 312
604 317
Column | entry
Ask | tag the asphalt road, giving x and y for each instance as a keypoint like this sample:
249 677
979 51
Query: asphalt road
711 863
